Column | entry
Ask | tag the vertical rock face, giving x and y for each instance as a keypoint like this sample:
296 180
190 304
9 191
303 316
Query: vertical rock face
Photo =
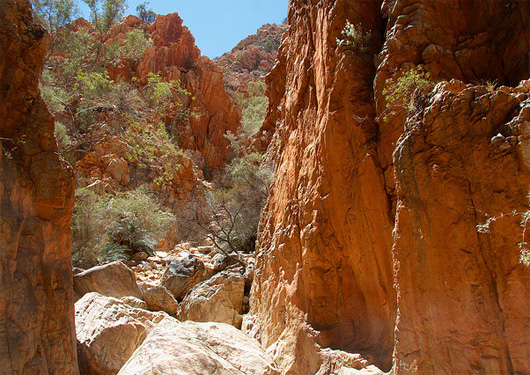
368 241
37 333
326 233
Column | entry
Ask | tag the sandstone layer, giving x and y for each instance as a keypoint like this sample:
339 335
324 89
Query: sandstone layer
369 239
37 334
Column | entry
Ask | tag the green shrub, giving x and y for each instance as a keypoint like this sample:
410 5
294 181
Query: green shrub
107 228
355 38
63 140
88 227
144 13
272 44
408 92
237 210
149 144
127 238
254 109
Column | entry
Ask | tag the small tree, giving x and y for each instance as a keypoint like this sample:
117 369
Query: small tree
144 13
54 15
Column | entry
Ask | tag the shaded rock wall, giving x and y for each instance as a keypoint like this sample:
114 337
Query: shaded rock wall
37 333
368 241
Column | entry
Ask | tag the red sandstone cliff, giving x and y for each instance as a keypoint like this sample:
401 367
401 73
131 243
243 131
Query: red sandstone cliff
253 58
368 241
37 333
173 54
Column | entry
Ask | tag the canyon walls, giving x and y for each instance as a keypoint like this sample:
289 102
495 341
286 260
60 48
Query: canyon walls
37 334
369 240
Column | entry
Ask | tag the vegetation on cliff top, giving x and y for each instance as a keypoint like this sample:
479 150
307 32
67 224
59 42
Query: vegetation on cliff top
112 221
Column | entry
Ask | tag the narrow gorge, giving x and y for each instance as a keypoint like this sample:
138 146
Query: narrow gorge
393 234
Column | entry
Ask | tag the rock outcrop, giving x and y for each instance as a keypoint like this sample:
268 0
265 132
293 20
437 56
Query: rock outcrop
174 55
198 348
158 298
109 331
218 299
112 279
183 273
37 334
252 59
368 241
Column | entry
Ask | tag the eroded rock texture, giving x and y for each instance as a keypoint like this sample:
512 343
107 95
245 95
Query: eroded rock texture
198 348
368 241
174 56
252 59
37 333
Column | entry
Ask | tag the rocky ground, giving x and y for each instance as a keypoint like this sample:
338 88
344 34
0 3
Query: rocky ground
181 311
391 239
157 294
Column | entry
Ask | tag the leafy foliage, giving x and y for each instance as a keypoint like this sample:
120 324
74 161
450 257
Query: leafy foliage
149 143
144 13
107 228
355 37
126 238
408 92
254 109
63 140
104 13
54 14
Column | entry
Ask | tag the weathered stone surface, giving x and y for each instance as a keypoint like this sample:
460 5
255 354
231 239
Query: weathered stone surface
218 299
364 201
342 363
198 348
134 302
113 279
182 274
37 334
462 296
160 299
253 58
109 331
324 267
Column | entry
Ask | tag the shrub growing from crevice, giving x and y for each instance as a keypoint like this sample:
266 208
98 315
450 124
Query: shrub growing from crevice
524 248
355 38
410 93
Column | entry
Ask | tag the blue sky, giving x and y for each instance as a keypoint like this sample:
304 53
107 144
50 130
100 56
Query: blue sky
218 25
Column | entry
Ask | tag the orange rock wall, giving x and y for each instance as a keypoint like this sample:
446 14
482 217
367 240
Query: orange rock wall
326 233
174 55
37 334
368 241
